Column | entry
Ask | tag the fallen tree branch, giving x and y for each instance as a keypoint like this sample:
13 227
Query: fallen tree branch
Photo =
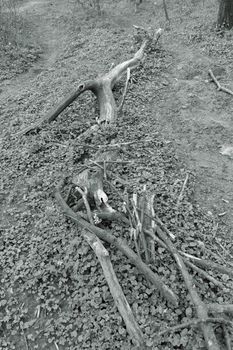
52 115
219 86
110 276
200 307
220 308
194 322
208 264
204 274
101 87
201 272
114 286
122 246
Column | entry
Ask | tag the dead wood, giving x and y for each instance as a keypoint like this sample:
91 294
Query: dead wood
125 91
201 272
166 11
102 88
114 286
92 179
52 115
209 264
227 337
220 308
204 274
219 86
139 223
159 222
200 306
122 246
110 276
195 322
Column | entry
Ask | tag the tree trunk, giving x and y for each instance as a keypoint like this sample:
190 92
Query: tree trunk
225 14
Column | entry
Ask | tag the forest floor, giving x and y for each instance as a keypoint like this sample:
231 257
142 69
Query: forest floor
53 293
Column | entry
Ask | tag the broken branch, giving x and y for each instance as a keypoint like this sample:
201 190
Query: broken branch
52 115
208 264
122 246
201 308
219 86
125 91
114 286
101 87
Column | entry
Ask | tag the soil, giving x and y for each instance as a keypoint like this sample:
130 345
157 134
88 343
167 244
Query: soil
172 101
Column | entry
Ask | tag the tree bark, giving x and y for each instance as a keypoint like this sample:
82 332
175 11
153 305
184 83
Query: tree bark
225 14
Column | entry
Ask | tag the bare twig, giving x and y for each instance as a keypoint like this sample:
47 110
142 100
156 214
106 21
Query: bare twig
204 274
227 337
68 193
220 308
85 201
219 86
125 91
208 264
158 221
201 308
25 339
140 224
57 347
194 322
165 10
182 191
188 263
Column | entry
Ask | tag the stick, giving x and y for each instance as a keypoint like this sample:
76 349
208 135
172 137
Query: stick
165 10
227 337
139 227
85 201
123 247
25 339
219 86
125 91
101 87
114 286
201 308
220 308
110 276
182 191
204 274
208 264
161 224
52 115
188 263
194 322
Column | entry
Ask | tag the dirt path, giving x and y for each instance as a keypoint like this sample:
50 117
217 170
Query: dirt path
198 119
48 33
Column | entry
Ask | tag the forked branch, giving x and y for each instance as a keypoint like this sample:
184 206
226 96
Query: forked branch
101 87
